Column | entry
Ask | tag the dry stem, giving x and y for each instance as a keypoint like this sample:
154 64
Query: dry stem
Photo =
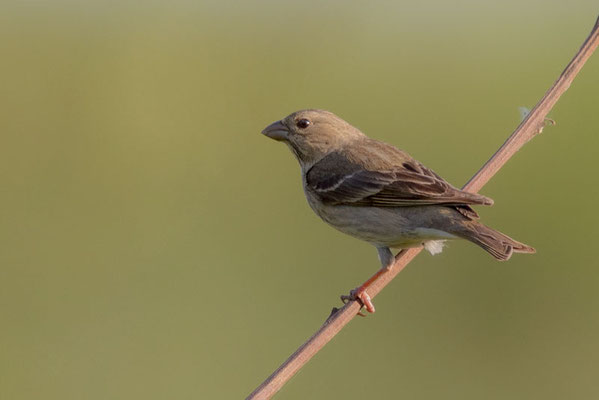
531 126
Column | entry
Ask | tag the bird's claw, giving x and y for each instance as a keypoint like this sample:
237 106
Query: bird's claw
360 295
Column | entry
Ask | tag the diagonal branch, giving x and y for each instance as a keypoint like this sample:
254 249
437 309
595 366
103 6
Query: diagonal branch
532 125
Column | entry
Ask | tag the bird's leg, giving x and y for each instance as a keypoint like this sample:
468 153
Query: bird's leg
386 257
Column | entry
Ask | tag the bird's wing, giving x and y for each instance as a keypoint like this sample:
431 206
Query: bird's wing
337 179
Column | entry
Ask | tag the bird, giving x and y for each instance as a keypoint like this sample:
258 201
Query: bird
378 193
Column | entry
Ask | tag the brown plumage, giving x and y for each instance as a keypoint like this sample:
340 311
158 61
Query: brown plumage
380 194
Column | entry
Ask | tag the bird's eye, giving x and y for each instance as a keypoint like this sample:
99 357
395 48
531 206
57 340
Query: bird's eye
303 123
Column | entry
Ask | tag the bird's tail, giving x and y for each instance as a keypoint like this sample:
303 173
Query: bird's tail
496 243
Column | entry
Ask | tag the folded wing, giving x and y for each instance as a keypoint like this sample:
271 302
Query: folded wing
337 180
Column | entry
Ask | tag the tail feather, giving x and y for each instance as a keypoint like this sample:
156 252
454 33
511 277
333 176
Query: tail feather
496 243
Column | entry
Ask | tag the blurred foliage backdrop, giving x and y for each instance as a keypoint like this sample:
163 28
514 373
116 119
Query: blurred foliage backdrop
154 245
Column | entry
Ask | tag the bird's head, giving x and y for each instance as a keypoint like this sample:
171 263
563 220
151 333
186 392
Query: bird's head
312 134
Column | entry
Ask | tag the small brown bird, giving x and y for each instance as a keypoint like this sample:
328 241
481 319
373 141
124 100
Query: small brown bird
377 193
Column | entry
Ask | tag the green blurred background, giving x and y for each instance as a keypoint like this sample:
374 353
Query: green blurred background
154 245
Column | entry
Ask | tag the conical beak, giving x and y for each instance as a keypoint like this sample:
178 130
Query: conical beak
277 131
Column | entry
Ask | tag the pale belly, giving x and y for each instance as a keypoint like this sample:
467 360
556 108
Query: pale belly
395 227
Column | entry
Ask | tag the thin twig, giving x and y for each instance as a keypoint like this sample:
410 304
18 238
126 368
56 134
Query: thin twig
531 126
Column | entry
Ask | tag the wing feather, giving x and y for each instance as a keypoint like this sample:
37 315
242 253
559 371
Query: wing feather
336 179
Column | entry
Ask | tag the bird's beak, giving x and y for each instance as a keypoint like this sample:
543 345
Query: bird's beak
277 131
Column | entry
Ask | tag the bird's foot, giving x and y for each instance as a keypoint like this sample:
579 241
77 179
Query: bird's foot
360 295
